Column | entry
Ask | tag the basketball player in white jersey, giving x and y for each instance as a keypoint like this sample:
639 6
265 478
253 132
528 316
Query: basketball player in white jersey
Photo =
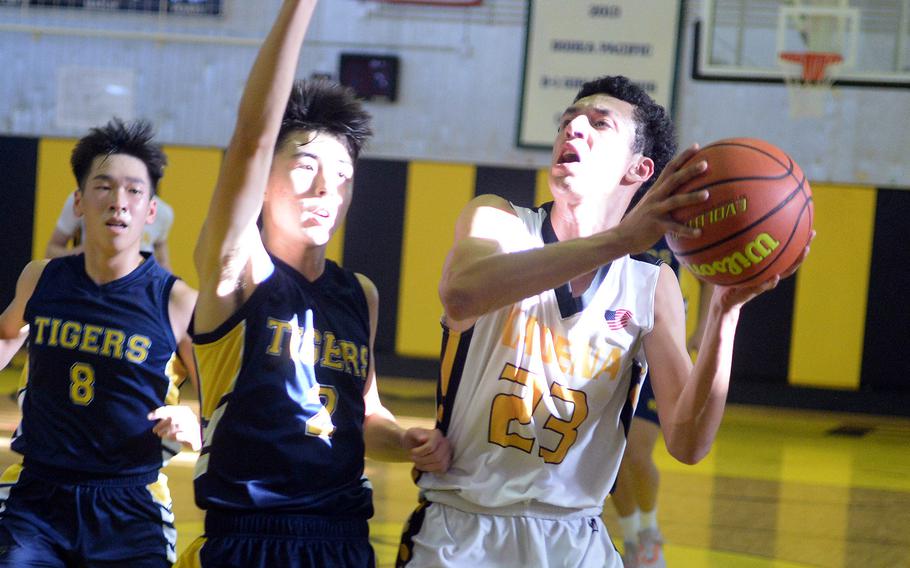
549 327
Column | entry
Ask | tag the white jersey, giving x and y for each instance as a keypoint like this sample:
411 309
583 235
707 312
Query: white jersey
536 398
156 232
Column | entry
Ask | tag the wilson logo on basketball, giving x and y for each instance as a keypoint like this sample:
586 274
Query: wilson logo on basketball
617 319
754 252
718 214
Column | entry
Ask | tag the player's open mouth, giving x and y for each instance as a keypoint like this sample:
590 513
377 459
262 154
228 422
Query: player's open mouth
568 157
116 224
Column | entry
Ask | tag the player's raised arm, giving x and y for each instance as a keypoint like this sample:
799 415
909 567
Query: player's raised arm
229 248
691 398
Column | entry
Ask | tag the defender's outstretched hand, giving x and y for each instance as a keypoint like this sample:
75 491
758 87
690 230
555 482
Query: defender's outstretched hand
429 449
179 423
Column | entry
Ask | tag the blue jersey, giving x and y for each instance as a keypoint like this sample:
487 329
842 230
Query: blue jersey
282 384
97 360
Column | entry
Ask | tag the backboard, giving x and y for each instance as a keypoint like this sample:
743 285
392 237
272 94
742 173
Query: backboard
742 41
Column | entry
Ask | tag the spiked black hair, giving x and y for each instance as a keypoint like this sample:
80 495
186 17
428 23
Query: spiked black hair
116 137
324 106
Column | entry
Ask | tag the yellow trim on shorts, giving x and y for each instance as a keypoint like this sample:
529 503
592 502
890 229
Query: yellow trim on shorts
159 491
190 557
11 474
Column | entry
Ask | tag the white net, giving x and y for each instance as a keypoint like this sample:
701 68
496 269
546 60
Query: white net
816 40
809 81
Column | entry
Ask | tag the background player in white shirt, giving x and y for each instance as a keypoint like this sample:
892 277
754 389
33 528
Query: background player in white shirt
549 326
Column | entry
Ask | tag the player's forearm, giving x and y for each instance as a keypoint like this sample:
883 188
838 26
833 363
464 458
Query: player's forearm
700 406
383 438
473 287
239 192
9 347
272 74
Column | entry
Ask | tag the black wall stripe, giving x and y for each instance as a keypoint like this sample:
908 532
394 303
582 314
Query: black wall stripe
516 185
886 357
373 235
761 351
18 163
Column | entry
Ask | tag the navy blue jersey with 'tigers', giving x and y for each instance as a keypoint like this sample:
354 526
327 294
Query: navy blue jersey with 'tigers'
97 361
282 399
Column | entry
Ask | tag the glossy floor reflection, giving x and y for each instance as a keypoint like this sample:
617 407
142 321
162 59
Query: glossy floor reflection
781 489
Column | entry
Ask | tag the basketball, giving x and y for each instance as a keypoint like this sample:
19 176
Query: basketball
756 221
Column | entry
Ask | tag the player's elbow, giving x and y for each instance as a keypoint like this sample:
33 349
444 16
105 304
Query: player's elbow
458 301
689 453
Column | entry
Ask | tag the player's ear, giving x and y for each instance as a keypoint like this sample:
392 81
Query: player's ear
77 202
153 211
641 168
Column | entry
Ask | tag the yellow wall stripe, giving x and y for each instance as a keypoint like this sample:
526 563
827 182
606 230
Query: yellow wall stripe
436 193
187 186
55 182
542 187
335 249
831 290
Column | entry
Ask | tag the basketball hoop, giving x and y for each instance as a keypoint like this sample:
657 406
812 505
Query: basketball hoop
809 89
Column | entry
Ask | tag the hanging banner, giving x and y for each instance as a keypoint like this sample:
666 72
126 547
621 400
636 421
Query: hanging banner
569 42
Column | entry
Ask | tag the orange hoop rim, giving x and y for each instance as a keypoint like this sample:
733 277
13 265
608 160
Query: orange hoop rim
814 63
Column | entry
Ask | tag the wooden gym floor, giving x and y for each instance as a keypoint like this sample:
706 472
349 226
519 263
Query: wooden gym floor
781 488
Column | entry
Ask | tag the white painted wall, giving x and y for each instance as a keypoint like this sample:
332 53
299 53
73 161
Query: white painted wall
459 92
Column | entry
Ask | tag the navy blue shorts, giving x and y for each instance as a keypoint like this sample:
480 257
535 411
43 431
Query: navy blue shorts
647 404
113 522
263 540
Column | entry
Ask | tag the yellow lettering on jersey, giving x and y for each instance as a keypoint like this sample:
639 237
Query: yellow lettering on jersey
112 345
90 336
349 356
69 334
530 328
317 343
138 348
320 424
331 352
540 341
518 407
279 329
563 354
568 428
610 366
40 324
364 361
509 330
55 328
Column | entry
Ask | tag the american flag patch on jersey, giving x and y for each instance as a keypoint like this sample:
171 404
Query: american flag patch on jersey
617 319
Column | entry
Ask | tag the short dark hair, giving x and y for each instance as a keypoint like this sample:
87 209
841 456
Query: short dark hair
325 106
118 137
655 135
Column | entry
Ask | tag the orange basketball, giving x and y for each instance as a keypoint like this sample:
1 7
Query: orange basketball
757 220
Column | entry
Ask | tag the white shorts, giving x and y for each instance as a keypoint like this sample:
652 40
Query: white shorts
438 535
